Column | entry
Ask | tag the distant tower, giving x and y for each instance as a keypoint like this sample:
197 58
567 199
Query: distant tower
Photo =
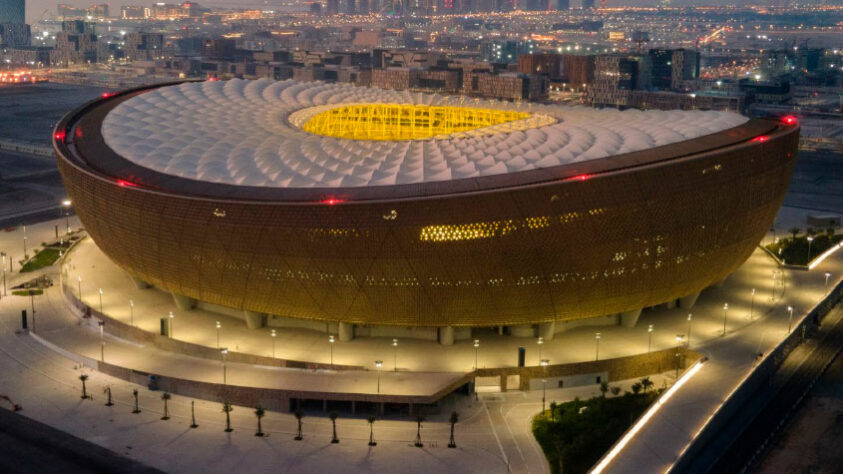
13 11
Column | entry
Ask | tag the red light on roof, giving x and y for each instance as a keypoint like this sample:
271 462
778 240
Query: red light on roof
124 183
332 201
106 95
60 135
580 177
761 139
212 79
789 120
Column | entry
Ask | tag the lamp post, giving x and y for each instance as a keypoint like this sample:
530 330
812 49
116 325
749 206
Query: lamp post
378 365
540 342
172 317
272 333
773 291
79 281
24 242
101 324
810 241
725 312
789 319
395 354
476 347
100 292
66 203
649 338
544 363
224 352
752 304
331 340
678 354
827 274
689 329
132 312
3 254
218 334
597 346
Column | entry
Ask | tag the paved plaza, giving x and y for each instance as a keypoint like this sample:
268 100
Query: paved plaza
493 434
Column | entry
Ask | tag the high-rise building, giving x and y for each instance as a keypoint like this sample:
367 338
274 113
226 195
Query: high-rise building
12 11
588 4
350 7
14 35
132 12
563 4
672 66
333 7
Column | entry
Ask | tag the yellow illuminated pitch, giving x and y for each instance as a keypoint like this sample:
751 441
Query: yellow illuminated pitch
404 122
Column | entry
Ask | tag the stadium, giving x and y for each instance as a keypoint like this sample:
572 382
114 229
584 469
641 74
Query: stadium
365 209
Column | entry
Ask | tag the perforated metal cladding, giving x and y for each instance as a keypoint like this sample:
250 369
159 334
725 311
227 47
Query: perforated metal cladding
565 250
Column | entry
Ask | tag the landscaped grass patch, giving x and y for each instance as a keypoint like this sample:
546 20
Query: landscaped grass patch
44 258
27 292
574 435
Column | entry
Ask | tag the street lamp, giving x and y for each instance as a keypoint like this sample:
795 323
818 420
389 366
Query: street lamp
224 352
3 254
132 312
100 292
218 334
476 347
689 329
172 316
752 304
773 291
827 274
678 355
66 203
101 324
79 280
24 242
649 338
810 241
272 333
789 319
544 363
395 354
378 365
597 346
725 312
540 342
331 340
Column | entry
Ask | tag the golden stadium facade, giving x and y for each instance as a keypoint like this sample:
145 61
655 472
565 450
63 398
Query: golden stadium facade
469 225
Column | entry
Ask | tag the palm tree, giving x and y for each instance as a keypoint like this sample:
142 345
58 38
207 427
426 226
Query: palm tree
259 413
615 391
226 407
604 387
371 419
646 383
83 378
455 417
135 394
193 415
166 396
636 388
333 416
419 420
794 231
299 414
552 411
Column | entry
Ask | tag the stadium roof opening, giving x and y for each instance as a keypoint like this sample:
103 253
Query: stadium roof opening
404 121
